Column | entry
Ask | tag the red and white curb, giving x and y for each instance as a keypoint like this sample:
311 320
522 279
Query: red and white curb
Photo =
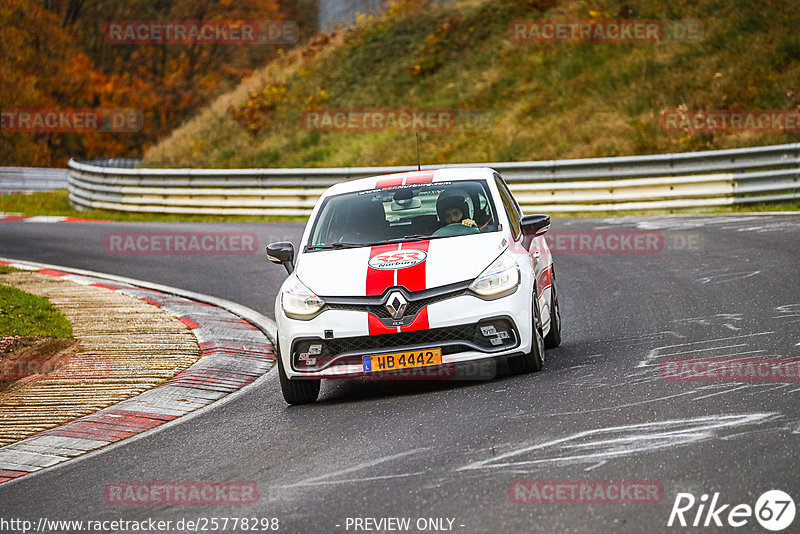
235 351
46 218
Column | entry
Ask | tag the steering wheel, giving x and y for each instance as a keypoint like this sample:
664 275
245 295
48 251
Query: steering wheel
456 229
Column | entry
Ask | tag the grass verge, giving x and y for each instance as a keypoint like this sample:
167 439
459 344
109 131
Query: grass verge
22 314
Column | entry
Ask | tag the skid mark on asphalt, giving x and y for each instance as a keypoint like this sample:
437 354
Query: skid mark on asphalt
700 346
727 320
325 479
726 277
787 311
604 444
725 390
644 337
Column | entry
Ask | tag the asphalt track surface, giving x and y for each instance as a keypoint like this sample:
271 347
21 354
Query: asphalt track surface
600 410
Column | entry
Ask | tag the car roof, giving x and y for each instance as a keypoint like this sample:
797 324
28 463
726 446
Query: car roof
408 178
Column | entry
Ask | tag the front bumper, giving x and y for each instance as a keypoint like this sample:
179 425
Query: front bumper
332 344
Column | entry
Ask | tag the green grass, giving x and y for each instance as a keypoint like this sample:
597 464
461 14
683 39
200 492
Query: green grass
57 203
22 314
541 101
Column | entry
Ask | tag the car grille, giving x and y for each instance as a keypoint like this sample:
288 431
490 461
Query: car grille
452 340
380 311
413 307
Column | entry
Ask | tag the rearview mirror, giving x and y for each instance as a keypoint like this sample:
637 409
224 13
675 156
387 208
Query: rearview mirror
282 253
536 225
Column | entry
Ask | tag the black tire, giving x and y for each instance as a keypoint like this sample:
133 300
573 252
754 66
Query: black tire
553 337
296 391
534 360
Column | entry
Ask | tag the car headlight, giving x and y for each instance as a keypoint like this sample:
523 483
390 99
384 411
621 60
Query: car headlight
500 277
299 302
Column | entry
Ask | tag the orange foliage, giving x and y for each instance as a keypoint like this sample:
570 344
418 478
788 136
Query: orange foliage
55 56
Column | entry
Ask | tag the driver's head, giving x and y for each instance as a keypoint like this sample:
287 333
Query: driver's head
452 208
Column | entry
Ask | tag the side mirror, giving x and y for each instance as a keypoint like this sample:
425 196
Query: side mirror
282 253
535 225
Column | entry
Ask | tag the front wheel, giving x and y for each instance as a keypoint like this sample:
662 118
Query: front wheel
296 391
534 360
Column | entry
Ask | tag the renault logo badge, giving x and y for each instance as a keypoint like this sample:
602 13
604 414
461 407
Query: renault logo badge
396 304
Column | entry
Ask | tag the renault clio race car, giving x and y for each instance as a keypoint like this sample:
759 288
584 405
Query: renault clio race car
414 270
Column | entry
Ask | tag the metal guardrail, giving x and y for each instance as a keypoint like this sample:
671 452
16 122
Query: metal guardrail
31 179
683 180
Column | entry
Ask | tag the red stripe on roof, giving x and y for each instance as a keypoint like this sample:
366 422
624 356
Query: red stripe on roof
389 182
420 177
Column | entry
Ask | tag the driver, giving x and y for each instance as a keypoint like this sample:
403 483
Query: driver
453 209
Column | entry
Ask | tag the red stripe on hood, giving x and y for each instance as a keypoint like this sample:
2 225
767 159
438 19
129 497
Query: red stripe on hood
413 278
420 322
376 327
379 279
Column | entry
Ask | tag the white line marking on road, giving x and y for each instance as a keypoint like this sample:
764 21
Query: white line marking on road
657 352
727 277
707 348
357 467
729 390
607 443
595 466
351 480
619 406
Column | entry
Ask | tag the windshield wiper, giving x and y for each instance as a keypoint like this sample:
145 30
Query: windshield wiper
334 246
413 237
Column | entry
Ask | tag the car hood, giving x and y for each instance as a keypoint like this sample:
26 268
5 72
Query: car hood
417 265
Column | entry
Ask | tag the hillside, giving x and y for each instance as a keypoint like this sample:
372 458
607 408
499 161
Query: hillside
525 101
57 56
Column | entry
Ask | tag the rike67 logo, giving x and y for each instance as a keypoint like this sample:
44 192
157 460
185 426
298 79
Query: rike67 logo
774 510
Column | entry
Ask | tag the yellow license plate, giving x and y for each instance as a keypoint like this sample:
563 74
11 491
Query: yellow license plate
402 360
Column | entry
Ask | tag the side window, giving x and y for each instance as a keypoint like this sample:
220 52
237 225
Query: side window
512 209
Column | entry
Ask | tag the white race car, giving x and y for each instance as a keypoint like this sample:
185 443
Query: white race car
414 271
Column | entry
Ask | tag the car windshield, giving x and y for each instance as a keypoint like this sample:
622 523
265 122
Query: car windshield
404 213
